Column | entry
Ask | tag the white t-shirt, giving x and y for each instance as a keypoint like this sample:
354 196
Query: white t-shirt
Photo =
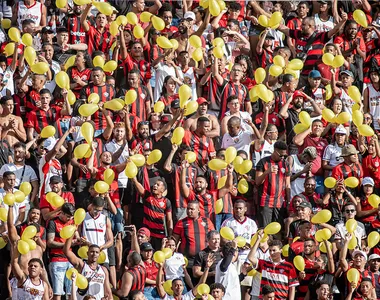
188 296
230 280
174 266
163 70
113 147
8 80
16 207
359 232
47 170
50 85
241 142
333 154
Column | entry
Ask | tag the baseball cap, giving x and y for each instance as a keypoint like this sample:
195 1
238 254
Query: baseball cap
270 36
298 94
305 204
165 119
368 181
49 143
175 104
362 253
340 129
145 231
47 29
374 256
146 247
322 2
315 74
201 100
189 15
55 179
347 72
349 150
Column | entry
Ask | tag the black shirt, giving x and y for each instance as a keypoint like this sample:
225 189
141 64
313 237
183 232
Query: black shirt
200 261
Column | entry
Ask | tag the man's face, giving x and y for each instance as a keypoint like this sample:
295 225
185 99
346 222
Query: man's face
302 10
350 212
45 100
158 188
305 26
93 254
234 105
97 77
239 210
193 210
136 50
298 102
314 82
101 20
217 294
167 16
309 247
77 9
34 215
214 241
119 133
233 129
359 260
275 252
10 181
106 158
133 80
8 107
279 155
317 128
310 185
323 292
56 187
374 264
202 109
183 27
177 287
204 127
140 5
34 269
95 211
353 158
49 52
200 184
236 73
346 80
352 30
340 138
143 131
303 212
142 238
305 230
63 37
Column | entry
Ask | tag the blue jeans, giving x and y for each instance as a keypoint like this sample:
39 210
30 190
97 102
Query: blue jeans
61 285
220 218
117 221
320 188
150 292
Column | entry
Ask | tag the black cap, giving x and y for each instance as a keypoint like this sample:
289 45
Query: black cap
62 29
55 179
47 29
323 2
146 247
175 104
270 36
305 204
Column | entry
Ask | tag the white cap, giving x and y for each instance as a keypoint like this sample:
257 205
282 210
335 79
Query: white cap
368 181
189 15
49 143
374 256
362 253
340 129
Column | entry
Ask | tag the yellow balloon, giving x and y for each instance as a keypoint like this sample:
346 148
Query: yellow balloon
82 252
218 52
374 200
158 23
138 32
278 60
32 244
275 19
14 34
263 20
222 4
195 41
3 214
299 263
185 93
81 150
167 285
29 232
81 282
221 183
50 196
109 176
130 97
217 164
27 39
145 16
237 163
214 8
102 258
219 205
328 115
204 3
322 247
69 272
61 3
373 239
190 157
322 216
218 42
305 118
69 62
260 75
23 247
330 182
285 250
40 68
71 97
164 43
87 131
26 188
57 202
230 154
243 186
357 117
295 64
3 243
98 61
159 257
121 20
338 61
159 106
227 233
353 243
299 128
178 135
154 157
87 110
132 18
114 28
168 252
261 90
351 225
19 196
353 275
272 228
6 23
191 107
366 130
275 70
9 199
67 231
174 43
203 289
354 93
48 131
197 54
351 182
360 18
328 59
131 170
343 117
101 187
328 92
105 8
138 159
114 105
79 216
9 49
245 167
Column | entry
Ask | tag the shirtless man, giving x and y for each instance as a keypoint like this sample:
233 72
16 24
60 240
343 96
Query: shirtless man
13 127
191 123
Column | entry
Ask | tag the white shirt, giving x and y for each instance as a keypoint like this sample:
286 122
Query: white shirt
16 206
163 70
241 142
50 85
112 147
188 296
359 232
8 80
230 280
47 170
333 154
174 266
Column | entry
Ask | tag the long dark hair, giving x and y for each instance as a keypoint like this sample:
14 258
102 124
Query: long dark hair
164 91
249 73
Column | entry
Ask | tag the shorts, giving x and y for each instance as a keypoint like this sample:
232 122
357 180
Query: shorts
253 31
125 197
98 132
61 285
117 221
111 256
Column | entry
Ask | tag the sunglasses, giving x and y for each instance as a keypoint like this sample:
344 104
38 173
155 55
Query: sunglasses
350 211
282 155
143 123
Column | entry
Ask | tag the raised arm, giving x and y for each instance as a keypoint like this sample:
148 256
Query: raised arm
168 162
185 191
73 259
83 18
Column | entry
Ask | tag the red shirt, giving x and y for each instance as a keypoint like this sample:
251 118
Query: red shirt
371 168
40 118
320 144
55 226
98 41
67 196
114 187
202 146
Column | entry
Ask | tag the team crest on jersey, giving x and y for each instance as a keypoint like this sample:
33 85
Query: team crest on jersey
282 271
376 164
105 94
283 170
101 225
273 120
203 223
143 67
161 204
208 196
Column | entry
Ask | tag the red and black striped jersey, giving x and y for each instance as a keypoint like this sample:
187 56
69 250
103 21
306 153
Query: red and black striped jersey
39 119
100 141
193 234
227 89
54 227
191 175
206 203
210 91
280 276
143 66
202 146
98 41
138 108
32 96
155 211
20 106
311 272
264 59
77 34
272 190
343 171
280 98
114 187
84 75
152 52
139 277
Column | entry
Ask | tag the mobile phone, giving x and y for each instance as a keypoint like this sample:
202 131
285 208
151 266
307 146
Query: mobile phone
128 228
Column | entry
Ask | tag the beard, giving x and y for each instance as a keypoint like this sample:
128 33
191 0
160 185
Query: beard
298 105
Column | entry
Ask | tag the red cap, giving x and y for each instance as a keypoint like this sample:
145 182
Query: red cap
144 231
298 94
201 100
